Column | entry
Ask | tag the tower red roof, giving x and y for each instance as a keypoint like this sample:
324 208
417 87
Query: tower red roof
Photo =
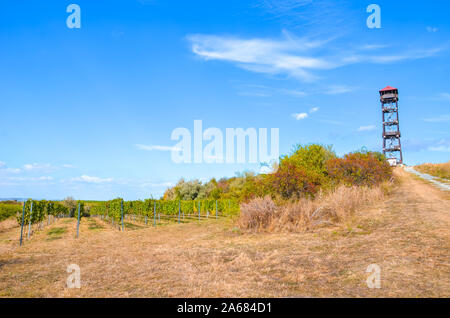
388 88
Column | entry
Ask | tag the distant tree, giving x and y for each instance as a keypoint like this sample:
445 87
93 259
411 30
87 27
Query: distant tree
71 204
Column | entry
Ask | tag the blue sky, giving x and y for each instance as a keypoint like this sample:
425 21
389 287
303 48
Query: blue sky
75 104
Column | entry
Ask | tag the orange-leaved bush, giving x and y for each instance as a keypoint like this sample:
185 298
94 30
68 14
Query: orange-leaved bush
359 168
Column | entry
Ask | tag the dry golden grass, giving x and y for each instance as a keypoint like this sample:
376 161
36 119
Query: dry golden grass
337 206
407 235
440 170
8 224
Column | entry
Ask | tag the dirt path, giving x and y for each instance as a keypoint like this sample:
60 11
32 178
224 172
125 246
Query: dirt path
407 237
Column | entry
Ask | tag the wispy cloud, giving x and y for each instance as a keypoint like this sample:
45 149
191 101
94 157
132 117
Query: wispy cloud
373 46
270 56
5 169
318 16
443 96
367 128
440 148
157 184
42 178
338 89
435 145
91 179
45 167
156 147
294 92
432 29
290 55
39 167
439 119
329 121
300 116
442 145
314 110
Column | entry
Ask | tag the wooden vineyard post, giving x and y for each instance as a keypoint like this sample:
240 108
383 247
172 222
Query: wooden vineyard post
121 209
199 210
154 213
216 209
179 211
23 218
78 220
29 223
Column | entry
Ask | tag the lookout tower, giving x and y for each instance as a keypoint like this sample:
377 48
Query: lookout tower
392 147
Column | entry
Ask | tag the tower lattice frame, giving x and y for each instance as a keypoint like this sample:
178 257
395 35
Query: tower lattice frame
392 147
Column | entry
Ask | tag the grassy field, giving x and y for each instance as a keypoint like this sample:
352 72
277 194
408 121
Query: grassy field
440 170
407 235
9 209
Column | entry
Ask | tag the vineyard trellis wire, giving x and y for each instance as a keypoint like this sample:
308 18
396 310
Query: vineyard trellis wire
144 210
34 212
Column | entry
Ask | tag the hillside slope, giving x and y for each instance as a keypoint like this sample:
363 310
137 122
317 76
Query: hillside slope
408 236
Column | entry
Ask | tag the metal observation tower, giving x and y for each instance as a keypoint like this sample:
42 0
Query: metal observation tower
392 146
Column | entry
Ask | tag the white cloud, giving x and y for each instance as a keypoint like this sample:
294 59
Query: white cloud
45 167
313 110
156 147
338 89
290 55
90 179
300 116
254 93
367 128
155 185
42 178
440 119
293 92
444 96
13 170
4 168
261 55
373 46
439 148
432 29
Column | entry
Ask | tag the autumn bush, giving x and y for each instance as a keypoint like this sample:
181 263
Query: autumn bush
302 173
313 187
359 168
293 181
